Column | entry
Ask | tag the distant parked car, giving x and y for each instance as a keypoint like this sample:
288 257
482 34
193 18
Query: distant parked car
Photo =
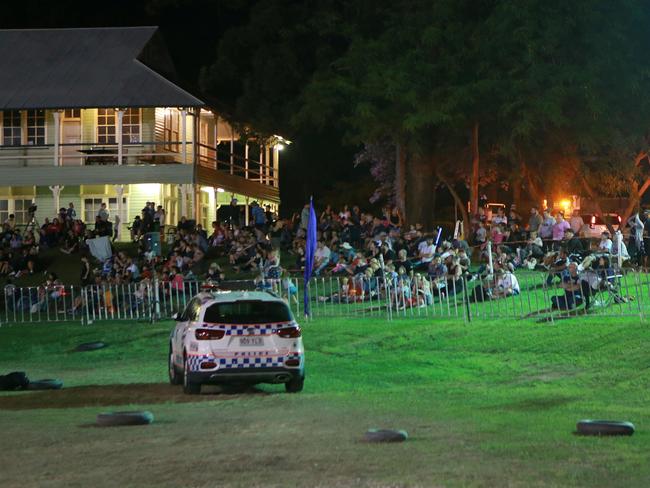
595 225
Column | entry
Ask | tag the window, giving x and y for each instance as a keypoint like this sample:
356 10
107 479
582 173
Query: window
170 130
72 113
105 126
36 127
247 312
205 209
131 126
91 207
11 128
107 122
19 207
112 208
4 210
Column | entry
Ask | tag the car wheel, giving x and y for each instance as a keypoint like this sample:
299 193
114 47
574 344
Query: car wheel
174 377
189 387
294 385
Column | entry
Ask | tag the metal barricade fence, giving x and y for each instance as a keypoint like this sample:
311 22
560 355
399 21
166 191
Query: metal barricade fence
540 295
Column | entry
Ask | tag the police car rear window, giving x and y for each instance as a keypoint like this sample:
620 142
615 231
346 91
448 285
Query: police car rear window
247 312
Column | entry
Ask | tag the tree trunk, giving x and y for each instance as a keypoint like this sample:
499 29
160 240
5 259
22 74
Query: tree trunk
591 193
418 198
473 185
400 180
533 189
459 202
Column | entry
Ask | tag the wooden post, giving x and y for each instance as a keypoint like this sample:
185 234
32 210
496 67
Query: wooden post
232 150
216 141
184 134
118 135
267 160
119 190
57 137
246 160
276 166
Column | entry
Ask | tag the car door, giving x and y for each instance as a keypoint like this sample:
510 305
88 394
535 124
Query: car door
182 323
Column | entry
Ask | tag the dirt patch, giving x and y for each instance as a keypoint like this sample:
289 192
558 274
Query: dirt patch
105 395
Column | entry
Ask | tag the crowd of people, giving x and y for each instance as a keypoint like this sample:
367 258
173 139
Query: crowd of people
365 250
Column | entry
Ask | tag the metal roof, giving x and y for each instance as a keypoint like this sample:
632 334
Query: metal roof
85 68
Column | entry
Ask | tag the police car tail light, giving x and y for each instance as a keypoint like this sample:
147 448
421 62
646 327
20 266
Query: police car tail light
292 362
209 334
290 332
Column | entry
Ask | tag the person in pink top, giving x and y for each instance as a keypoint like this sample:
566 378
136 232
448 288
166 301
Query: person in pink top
559 229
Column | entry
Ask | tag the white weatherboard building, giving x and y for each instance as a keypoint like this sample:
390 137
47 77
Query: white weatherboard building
90 116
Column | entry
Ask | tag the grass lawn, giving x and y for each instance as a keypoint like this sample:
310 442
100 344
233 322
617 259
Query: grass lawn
485 404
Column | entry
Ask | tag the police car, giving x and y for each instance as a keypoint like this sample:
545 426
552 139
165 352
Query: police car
236 337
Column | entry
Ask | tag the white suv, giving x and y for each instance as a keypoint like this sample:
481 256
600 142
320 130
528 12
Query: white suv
237 337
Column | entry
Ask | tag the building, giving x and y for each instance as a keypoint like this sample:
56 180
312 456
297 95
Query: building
90 116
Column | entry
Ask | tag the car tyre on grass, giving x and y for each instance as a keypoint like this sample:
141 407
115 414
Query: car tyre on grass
90 346
189 387
604 427
174 377
46 384
294 385
116 419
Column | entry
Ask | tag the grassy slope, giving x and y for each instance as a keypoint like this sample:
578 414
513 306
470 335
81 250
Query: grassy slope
488 404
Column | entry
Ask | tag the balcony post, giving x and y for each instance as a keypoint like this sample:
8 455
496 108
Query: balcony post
267 162
118 135
232 150
216 141
246 212
57 137
183 189
196 136
119 190
246 160
56 196
184 134
276 166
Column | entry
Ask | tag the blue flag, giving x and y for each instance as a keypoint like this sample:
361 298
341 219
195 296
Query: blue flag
310 249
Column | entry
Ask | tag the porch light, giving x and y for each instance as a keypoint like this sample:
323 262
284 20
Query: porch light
220 190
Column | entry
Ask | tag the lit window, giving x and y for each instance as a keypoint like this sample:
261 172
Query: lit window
105 126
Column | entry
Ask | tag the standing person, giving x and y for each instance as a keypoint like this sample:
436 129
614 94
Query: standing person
160 215
546 229
233 213
576 222
605 244
71 213
102 213
534 221
304 217
559 228
636 237
86 272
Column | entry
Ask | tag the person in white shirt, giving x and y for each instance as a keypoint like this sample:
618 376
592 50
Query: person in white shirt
618 238
605 244
500 217
426 250
576 222
321 257
507 284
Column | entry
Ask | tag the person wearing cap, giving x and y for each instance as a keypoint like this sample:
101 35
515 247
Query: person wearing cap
347 251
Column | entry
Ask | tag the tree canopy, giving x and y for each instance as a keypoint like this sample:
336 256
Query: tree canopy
537 88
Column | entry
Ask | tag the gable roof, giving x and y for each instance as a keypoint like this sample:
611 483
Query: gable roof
84 68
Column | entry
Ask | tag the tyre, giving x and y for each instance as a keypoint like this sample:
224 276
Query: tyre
90 346
385 435
189 387
47 384
604 427
115 419
294 385
174 377
17 380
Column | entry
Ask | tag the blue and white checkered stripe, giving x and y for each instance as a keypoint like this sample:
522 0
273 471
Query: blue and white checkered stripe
249 329
194 362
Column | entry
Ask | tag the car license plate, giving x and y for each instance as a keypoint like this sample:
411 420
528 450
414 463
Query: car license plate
251 341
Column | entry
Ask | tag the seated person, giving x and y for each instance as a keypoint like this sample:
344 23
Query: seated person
575 290
507 284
